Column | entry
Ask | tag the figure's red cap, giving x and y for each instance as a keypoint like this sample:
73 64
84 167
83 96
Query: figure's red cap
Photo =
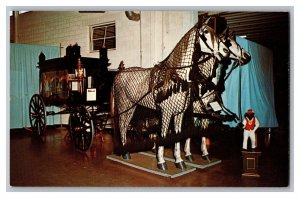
250 111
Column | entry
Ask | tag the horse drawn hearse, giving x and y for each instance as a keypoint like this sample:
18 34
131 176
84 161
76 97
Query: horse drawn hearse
151 107
80 86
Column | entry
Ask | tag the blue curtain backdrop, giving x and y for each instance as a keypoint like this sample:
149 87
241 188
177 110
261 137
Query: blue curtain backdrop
24 82
257 87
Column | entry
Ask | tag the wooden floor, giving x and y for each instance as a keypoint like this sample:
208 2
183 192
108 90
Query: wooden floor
53 161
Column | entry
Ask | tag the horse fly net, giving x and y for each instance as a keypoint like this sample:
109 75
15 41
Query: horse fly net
167 88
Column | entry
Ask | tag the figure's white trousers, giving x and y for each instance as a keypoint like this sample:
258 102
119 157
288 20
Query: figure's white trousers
249 134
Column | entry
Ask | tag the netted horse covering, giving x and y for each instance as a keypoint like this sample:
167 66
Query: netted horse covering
175 68
168 88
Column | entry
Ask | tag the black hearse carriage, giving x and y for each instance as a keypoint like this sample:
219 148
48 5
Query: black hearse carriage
80 86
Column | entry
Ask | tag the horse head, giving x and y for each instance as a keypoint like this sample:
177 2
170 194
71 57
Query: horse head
210 43
236 52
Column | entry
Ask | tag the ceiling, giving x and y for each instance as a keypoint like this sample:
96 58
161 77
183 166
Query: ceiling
266 28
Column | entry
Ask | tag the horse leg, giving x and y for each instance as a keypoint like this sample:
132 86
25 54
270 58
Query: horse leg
124 121
205 154
161 163
204 149
179 163
187 150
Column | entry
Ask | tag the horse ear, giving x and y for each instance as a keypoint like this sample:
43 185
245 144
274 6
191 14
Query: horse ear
233 35
201 18
206 21
225 32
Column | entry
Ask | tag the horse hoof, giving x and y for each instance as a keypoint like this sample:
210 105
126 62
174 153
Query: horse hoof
181 165
206 157
126 156
162 166
189 157
153 150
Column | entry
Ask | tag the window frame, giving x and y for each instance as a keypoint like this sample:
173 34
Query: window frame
102 25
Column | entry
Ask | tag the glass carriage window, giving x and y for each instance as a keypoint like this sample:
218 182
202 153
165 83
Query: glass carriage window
103 35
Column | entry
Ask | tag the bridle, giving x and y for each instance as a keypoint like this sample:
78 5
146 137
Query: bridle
225 37
204 39
225 40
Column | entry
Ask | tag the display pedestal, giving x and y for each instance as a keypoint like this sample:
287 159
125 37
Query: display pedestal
149 164
197 163
250 163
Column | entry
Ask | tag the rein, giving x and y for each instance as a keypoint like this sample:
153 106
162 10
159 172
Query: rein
132 106
235 64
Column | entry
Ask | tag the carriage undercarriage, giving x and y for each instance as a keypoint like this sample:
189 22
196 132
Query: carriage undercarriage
84 121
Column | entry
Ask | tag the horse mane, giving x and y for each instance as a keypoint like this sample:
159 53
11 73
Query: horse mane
183 51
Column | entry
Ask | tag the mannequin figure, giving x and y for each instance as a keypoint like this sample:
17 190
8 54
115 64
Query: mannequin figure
250 125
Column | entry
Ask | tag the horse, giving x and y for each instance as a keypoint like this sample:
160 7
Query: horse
167 86
240 57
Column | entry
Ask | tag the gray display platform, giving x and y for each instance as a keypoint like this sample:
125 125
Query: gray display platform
198 162
149 164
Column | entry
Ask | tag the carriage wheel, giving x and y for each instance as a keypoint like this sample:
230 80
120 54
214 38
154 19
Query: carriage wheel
37 114
81 128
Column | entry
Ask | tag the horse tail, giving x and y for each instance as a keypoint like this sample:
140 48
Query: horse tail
118 147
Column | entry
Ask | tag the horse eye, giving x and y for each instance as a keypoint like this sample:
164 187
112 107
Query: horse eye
205 31
228 43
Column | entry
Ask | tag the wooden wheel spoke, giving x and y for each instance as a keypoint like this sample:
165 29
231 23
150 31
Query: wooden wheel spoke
35 123
37 114
32 107
36 101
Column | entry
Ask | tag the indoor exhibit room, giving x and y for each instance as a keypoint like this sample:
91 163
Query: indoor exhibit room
149 99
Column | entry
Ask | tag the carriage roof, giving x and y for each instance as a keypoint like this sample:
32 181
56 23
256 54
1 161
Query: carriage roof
63 63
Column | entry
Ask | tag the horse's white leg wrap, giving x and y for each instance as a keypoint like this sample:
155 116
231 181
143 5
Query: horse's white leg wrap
178 122
203 147
154 146
160 155
177 153
187 147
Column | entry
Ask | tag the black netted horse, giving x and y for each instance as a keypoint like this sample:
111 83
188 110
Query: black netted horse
169 88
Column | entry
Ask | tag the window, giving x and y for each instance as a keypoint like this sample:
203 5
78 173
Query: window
103 35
